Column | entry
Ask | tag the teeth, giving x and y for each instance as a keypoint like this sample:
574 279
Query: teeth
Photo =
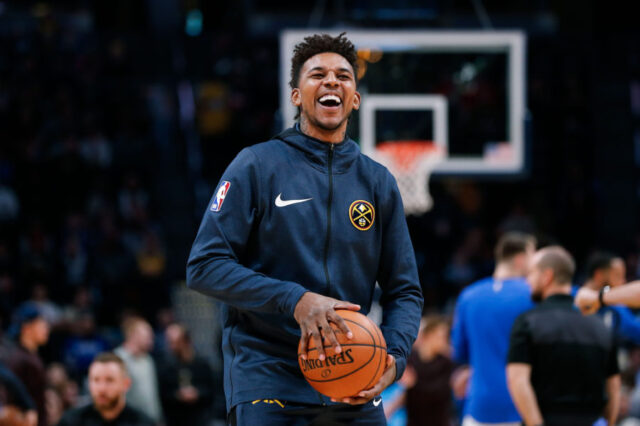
330 98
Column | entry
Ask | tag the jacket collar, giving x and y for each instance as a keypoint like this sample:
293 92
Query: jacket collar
559 299
317 151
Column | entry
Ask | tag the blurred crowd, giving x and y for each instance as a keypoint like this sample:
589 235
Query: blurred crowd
82 251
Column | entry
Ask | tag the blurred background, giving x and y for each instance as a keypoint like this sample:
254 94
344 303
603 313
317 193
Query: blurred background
117 118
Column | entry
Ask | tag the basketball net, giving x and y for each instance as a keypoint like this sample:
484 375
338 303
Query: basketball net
411 163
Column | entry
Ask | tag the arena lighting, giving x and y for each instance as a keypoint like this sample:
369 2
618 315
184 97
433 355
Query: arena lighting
193 23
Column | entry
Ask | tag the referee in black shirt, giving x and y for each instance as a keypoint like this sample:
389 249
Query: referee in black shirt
562 367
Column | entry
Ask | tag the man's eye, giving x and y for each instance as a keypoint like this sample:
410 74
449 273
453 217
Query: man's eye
344 77
316 76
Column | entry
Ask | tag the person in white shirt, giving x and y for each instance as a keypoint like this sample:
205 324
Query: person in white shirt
134 351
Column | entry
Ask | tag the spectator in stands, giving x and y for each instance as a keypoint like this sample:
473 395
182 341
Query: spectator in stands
108 385
134 351
83 345
562 366
133 200
15 402
9 205
47 308
484 314
61 394
32 333
428 395
152 285
186 381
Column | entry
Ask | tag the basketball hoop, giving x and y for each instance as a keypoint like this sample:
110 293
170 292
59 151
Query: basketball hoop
411 163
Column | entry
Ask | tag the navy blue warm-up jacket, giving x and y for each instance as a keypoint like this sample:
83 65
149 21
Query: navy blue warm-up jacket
292 215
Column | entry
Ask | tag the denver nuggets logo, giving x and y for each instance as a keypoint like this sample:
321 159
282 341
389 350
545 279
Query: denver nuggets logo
362 214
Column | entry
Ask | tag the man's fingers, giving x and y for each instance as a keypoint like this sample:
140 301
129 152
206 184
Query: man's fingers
356 400
370 393
391 362
317 341
346 305
353 400
330 336
304 342
341 323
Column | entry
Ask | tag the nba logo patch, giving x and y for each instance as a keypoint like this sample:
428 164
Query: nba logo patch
220 195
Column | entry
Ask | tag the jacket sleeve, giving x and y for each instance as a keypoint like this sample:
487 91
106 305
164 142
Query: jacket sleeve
215 264
628 324
459 338
398 277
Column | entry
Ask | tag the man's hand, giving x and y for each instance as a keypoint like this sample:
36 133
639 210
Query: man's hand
188 394
409 377
460 381
386 379
587 301
314 312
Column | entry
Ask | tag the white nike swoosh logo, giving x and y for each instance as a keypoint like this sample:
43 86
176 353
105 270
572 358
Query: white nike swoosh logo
377 402
284 203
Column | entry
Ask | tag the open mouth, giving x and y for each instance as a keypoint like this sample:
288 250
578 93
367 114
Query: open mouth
330 101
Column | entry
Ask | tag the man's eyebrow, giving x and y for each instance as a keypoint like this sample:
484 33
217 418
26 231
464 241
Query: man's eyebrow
320 68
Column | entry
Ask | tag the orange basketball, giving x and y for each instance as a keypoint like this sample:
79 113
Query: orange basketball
358 367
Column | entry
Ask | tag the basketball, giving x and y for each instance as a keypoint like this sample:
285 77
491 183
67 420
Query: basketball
358 367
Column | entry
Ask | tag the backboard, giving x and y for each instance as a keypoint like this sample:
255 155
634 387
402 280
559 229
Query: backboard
464 91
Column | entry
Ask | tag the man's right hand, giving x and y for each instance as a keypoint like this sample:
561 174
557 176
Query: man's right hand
314 312
587 301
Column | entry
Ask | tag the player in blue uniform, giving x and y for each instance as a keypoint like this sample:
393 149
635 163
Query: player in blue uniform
298 227
606 269
482 323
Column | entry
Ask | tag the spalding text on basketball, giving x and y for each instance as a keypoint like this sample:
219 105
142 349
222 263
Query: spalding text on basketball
338 359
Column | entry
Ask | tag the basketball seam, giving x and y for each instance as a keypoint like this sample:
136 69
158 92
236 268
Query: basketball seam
347 344
379 359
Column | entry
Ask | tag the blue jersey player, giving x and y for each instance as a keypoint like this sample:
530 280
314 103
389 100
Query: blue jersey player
300 226
606 269
484 314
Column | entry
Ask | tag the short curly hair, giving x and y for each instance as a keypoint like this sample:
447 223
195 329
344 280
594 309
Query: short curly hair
321 43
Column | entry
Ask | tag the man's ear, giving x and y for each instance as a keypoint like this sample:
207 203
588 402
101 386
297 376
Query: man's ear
519 261
296 99
356 101
127 383
547 276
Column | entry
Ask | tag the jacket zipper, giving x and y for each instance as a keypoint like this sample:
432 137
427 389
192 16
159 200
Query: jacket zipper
326 241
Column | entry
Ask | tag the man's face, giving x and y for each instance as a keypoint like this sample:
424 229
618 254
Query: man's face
326 92
38 329
617 273
108 384
144 337
537 279
174 338
438 339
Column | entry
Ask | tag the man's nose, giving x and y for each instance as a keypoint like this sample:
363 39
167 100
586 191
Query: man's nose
331 79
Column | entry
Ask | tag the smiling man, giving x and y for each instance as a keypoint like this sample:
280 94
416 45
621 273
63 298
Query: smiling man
299 227
108 385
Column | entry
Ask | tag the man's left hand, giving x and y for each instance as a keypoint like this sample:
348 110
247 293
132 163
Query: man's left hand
386 379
